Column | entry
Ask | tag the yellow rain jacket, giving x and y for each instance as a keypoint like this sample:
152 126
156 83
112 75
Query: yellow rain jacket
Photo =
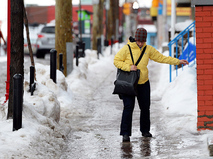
123 61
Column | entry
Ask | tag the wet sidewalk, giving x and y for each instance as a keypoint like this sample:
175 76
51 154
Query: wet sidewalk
96 134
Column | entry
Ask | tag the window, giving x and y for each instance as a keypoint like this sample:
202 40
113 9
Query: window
50 30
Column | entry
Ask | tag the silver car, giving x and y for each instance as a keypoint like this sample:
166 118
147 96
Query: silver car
45 41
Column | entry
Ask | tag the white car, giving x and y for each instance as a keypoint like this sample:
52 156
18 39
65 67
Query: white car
45 41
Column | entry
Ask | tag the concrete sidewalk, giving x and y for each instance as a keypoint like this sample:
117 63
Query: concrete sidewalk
96 134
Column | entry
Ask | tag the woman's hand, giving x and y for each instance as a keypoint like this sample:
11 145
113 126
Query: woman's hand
133 68
184 62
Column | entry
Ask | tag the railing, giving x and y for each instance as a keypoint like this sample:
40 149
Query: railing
175 41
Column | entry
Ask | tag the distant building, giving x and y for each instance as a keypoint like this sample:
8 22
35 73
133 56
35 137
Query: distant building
204 36
183 13
45 14
144 16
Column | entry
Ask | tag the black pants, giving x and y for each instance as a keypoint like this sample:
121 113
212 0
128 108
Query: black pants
144 105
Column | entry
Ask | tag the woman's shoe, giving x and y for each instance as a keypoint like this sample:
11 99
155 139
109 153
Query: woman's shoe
147 134
126 138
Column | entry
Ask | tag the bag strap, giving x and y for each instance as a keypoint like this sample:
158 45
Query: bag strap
139 57
144 49
131 53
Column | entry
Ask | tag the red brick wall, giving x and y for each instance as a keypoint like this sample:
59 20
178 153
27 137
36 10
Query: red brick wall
204 46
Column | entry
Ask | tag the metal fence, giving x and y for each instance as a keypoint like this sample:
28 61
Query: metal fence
190 52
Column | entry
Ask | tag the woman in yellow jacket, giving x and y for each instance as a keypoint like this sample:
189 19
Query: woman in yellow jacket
123 61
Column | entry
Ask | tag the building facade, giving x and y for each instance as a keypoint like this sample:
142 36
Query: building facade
204 46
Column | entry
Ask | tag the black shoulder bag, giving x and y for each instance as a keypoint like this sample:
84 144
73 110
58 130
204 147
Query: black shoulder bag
126 82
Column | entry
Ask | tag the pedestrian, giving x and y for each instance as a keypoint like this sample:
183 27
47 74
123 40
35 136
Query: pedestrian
122 60
2 37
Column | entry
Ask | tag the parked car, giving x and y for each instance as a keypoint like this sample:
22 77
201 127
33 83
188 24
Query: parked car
45 41
33 45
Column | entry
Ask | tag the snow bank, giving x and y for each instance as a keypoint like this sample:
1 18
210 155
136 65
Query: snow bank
44 128
90 66
46 114
182 25
181 91
90 73
178 98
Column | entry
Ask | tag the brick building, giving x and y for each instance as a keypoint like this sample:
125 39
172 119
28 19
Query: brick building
45 14
204 46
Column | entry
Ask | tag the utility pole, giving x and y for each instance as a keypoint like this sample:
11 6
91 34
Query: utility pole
160 26
116 10
128 28
17 48
63 29
80 23
173 21
107 7
165 29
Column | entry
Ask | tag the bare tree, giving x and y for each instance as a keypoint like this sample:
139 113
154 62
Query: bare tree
63 28
113 14
97 26
17 47
28 40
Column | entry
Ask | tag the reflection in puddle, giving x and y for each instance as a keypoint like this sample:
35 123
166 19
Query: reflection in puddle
145 147
141 148
126 150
